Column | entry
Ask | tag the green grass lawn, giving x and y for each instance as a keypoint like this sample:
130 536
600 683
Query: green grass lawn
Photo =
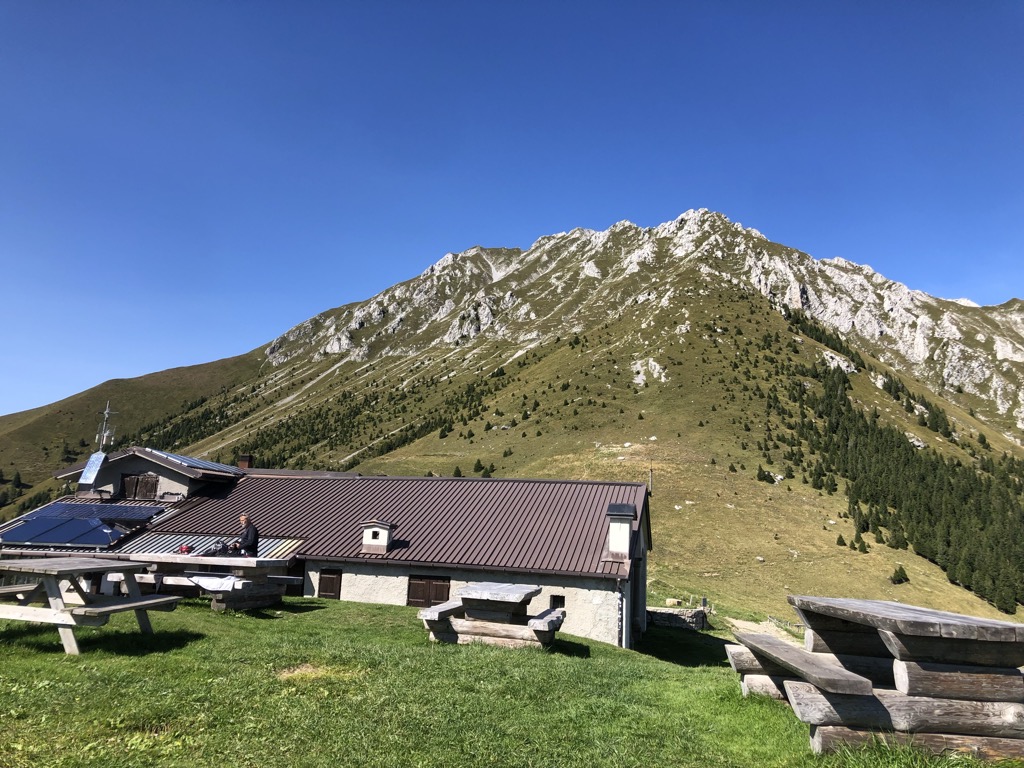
337 684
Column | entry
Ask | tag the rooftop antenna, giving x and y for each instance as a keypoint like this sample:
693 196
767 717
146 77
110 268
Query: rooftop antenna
106 433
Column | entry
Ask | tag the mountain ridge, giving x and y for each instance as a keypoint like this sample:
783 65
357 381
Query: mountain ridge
903 327
630 353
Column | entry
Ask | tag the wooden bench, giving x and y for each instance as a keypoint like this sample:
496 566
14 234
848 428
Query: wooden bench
547 621
16 590
804 664
111 605
442 611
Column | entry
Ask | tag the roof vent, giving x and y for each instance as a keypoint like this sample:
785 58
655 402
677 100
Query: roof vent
376 537
620 529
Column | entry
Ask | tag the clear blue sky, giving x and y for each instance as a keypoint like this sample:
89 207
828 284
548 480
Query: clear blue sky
184 181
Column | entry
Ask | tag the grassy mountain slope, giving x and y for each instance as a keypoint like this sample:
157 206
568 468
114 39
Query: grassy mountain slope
627 354
40 441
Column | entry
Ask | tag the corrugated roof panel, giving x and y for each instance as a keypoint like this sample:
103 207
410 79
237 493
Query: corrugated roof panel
194 463
163 543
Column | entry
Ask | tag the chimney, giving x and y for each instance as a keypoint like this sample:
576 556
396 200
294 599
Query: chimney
376 537
245 461
620 530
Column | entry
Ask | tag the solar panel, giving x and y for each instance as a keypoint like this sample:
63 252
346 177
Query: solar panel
194 463
90 532
30 531
80 531
106 511
92 468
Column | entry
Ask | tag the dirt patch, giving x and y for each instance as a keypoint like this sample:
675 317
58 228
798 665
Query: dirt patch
762 628
311 672
303 670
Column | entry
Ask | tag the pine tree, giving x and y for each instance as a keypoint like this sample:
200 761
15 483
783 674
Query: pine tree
840 541
899 576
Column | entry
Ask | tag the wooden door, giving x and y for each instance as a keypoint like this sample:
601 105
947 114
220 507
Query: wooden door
330 585
425 591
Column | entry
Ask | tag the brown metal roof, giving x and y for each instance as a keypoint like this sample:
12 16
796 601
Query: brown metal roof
184 465
546 526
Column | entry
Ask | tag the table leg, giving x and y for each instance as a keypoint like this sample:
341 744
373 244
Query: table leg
141 616
56 600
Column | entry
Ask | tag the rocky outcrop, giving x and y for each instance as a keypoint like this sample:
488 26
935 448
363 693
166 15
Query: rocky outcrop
577 279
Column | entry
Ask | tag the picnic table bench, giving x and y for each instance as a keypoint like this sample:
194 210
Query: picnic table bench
493 613
233 583
67 604
949 682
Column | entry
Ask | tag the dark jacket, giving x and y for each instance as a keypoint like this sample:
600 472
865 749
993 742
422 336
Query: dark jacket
249 542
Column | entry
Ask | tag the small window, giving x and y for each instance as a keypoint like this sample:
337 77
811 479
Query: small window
374 535
558 601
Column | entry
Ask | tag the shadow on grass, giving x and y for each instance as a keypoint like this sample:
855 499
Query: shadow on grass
44 638
278 611
569 648
139 644
685 647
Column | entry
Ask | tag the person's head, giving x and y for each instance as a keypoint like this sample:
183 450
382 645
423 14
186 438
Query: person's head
243 519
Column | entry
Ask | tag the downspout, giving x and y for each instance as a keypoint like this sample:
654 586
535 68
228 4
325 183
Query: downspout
620 601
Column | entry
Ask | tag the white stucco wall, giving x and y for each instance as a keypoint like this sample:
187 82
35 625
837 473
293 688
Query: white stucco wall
591 605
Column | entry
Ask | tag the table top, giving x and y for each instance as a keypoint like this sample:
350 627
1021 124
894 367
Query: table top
229 562
911 619
68 566
500 592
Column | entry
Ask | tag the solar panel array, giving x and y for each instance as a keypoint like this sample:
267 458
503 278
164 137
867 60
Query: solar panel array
105 511
194 463
65 524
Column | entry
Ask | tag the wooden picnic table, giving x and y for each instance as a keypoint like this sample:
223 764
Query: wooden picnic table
953 682
908 632
493 613
234 583
56 583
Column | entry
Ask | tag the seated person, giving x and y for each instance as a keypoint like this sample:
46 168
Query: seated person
249 542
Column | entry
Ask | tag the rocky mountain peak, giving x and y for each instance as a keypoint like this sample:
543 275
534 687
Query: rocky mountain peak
582 277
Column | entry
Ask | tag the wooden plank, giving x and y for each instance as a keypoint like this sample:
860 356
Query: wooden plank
110 605
744 662
909 619
846 643
550 620
824 622
876 669
829 738
477 613
67 566
764 685
953 651
958 681
809 666
23 593
499 591
36 614
887 710
440 612
491 629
